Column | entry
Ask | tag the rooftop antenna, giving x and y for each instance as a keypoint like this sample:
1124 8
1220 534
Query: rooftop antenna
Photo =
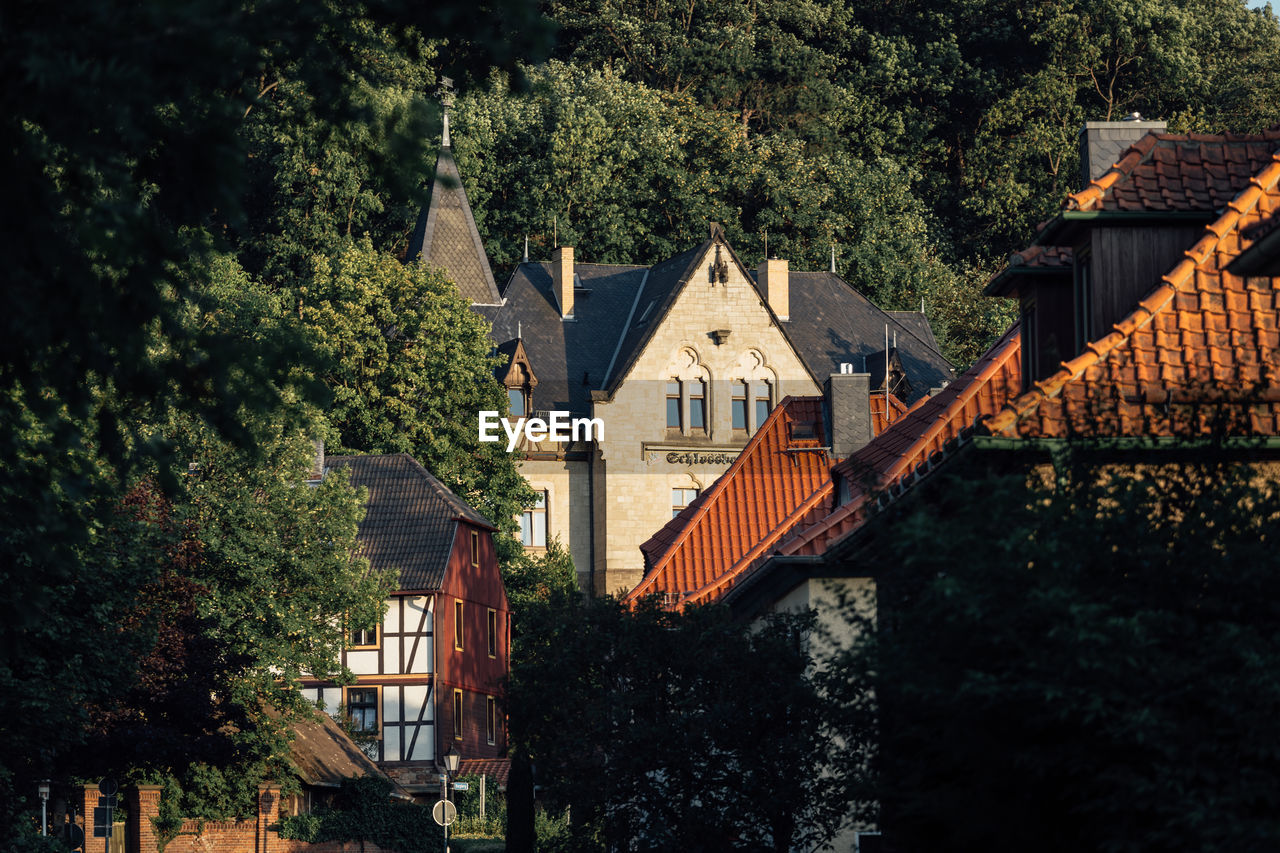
555 231
833 257
525 259
766 243
447 96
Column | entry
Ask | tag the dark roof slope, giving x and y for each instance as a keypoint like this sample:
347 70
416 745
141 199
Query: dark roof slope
322 754
411 517
569 357
446 235
831 323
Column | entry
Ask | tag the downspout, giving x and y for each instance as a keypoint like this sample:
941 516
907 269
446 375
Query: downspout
435 674
591 519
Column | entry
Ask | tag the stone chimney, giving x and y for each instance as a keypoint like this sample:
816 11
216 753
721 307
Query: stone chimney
849 409
775 284
1102 143
562 278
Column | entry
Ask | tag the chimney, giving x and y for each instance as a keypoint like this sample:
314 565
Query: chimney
1102 143
775 284
316 474
562 278
849 409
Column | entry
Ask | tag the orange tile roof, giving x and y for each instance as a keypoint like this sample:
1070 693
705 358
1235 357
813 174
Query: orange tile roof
775 478
1178 172
923 431
885 409
1198 354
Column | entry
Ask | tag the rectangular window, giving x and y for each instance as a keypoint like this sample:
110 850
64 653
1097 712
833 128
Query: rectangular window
362 709
1083 300
457 714
491 720
457 625
738 405
697 405
681 498
761 401
364 638
516 398
674 421
475 548
533 523
492 630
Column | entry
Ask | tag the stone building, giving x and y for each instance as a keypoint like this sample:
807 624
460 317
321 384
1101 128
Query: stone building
677 364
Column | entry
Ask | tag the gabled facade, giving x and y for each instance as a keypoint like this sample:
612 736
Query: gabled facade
430 677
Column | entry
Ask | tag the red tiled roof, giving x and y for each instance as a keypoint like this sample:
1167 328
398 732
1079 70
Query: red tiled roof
925 429
773 480
1178 172
1201 336
882 415
497 769
1052 257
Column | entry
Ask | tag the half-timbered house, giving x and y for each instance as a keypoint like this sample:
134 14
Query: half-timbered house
430 677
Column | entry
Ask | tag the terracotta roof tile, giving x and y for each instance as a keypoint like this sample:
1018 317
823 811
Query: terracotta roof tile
498 769
918 437
1212 334
1178 172
775 479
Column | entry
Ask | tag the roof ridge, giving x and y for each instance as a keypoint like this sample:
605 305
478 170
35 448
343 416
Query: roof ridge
1147 308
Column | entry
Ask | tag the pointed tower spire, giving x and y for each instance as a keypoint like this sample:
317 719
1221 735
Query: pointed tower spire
446 234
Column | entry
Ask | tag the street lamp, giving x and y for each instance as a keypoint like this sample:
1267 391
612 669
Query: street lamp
43 789
451 761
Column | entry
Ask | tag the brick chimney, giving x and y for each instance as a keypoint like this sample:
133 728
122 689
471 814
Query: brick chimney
775 284
1102 143
562 278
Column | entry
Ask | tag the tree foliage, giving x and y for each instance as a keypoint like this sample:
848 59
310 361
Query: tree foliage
1079 658
647 742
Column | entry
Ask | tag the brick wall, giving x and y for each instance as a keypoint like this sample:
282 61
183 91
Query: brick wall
258 835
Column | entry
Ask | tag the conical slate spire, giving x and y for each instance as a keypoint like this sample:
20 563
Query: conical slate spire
446 234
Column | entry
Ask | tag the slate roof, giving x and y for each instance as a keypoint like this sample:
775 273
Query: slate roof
1199 354
410 519
831 323
569 358
774 480
620 307
446 235
1167 172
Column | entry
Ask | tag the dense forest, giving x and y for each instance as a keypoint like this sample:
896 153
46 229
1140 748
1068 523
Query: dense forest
922 140
210 203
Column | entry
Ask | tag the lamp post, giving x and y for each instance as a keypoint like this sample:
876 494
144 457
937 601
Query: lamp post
451 761
43 788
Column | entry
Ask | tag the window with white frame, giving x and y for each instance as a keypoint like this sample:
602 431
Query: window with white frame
533 522
681 498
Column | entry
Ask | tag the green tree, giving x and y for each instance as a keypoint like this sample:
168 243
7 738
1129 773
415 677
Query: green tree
409 366
649 706
1078 656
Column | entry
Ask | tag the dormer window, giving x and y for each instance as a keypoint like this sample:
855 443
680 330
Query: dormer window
517 377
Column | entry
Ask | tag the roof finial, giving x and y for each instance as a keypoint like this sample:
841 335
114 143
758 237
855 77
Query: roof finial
921 304
447 97
555 231
766 243
519 330
833 257
525 259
